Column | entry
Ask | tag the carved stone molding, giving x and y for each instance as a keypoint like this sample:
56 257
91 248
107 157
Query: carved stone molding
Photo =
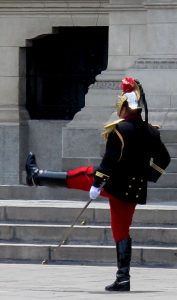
160 3
155 63
112 85
44 7
126 4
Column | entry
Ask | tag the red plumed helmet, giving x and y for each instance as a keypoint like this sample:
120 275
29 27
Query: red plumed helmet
128 84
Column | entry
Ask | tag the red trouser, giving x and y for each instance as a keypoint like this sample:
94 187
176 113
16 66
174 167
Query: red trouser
121 212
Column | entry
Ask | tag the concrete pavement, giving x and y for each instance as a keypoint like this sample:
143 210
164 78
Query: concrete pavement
35 281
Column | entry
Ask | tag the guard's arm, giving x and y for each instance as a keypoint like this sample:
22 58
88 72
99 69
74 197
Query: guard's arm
160 160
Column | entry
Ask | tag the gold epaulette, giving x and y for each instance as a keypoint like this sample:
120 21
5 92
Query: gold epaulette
113 124
108 128
156 126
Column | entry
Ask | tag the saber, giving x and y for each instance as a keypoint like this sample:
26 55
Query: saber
72 225
67 233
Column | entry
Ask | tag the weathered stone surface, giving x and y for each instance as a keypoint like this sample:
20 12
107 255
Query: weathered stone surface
142 43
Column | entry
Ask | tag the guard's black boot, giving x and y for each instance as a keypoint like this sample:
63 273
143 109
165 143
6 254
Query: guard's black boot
122 282
32 170
42 177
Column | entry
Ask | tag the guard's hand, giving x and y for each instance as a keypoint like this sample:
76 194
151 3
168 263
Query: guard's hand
94 192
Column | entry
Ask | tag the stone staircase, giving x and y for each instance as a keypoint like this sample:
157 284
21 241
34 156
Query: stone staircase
31 230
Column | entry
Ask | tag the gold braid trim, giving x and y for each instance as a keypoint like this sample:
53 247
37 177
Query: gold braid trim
102 175
122 141
157 168
108 128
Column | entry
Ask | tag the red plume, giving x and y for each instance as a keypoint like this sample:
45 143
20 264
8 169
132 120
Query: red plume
128 84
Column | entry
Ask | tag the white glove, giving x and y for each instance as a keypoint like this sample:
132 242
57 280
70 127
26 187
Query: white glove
94 192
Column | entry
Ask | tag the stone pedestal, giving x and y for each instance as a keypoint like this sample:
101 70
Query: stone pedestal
142 44
82 136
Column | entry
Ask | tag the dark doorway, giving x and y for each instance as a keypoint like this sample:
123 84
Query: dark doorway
60 68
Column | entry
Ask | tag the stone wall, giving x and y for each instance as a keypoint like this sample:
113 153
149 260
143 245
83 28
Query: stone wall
142 43
21 21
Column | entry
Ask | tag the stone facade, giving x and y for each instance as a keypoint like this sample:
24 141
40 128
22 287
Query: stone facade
142 43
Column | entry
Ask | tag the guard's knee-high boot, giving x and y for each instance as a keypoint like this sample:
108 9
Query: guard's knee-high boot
122 282
35 176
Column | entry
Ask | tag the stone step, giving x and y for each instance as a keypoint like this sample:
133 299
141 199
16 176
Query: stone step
168 180
172 167
65 212
92 243
155 236
23 252
85 254
160 194
9 192
90 235
54 234
148 255
172 148
154 215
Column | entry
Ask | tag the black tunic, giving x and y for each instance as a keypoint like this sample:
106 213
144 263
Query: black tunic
134 155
